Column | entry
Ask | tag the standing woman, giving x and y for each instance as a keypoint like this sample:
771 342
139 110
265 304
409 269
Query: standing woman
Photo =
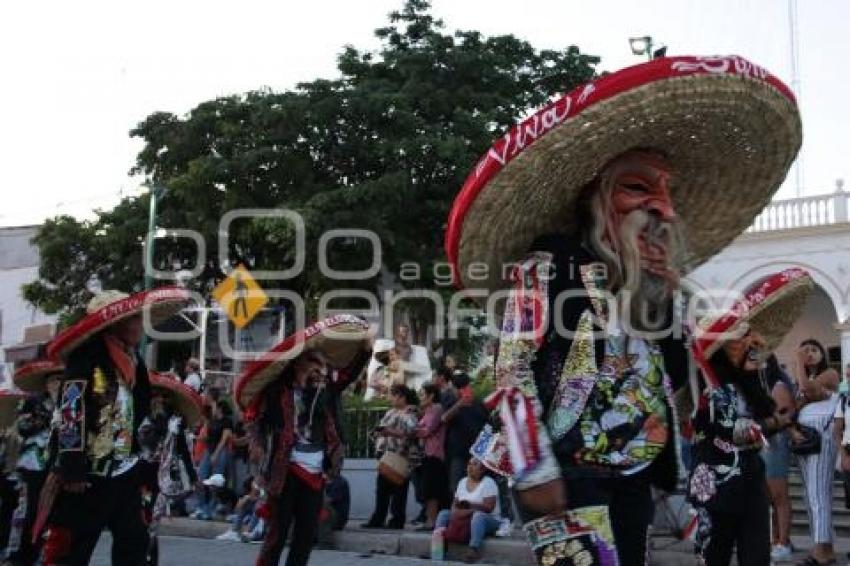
777 461
394 436
216 458
432 432
817 387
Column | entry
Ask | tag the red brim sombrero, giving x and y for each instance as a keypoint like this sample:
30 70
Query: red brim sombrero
771 307
32 377
339 338
729 129
161 303
9 401
186 401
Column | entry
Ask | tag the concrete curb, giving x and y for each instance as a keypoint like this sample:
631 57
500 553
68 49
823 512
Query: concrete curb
513 551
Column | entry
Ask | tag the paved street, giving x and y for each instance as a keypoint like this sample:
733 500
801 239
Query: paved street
180 551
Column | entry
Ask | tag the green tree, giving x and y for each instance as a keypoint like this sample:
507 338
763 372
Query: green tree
384 148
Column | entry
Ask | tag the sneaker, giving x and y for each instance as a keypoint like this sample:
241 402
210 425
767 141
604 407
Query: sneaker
215 480
505 528
230 535
781 553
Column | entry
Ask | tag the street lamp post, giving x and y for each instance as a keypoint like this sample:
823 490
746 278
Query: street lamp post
644 46
155 194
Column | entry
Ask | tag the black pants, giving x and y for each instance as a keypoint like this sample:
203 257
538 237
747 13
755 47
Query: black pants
630 510
390 497
299 506
77 519
21 551
747 531
8 502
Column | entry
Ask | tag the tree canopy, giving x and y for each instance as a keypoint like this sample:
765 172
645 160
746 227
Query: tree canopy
384 147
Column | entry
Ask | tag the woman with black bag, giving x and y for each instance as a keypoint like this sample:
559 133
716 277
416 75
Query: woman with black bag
814 444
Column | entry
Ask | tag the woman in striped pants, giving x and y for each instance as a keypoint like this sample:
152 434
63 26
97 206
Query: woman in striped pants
818 386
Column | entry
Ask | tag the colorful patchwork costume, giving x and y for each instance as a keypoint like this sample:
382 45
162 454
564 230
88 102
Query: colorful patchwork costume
642 174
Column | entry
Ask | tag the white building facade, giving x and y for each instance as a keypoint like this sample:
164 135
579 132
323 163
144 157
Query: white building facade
18 265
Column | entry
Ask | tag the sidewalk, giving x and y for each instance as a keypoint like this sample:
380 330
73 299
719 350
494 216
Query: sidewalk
511 551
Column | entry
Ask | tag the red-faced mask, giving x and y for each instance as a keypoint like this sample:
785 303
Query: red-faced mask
641 182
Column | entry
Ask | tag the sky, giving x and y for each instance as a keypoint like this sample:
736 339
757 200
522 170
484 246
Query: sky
77 76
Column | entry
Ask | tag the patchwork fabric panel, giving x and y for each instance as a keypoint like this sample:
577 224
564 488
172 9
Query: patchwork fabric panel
579 537
72 418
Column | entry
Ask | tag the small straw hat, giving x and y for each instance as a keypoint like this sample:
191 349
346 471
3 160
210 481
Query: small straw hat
339 338
32 376
188 403
770 307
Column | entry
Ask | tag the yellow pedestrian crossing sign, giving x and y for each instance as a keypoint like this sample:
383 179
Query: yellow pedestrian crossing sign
240 296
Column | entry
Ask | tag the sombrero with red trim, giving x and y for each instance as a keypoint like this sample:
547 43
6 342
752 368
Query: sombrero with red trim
186 400
9 401
32 376
770 307
339 338
110 307
728 127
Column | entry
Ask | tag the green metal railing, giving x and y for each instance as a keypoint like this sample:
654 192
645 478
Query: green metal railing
358 423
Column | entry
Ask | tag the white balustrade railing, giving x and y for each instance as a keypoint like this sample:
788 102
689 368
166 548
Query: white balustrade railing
819 210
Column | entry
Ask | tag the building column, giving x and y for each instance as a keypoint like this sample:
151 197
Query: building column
844 329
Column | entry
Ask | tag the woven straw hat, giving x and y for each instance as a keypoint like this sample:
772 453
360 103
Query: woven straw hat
770 307
188 403
729 129
32 377
110 307
339 338
9 401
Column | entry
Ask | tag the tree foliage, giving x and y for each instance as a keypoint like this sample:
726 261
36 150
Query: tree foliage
385 147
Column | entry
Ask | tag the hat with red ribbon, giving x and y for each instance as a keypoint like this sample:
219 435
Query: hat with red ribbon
729 129
110 307
770 307
186 401
32 376
339 338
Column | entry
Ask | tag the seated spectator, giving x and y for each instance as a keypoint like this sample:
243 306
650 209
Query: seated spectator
243 513
216 458
477 501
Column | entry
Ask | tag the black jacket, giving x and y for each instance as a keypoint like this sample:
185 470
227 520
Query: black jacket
568 255
74 462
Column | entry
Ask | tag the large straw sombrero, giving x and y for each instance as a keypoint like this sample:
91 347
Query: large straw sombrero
9 401
187 402
32 377
110 307
728 127
339 338
770 307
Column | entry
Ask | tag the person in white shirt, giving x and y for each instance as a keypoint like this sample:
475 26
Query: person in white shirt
193 375
476 495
